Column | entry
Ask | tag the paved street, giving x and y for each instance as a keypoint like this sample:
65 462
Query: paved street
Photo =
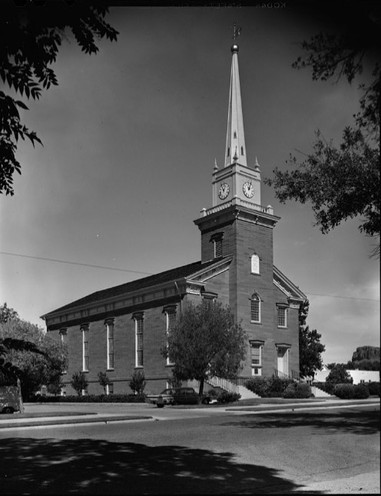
197 451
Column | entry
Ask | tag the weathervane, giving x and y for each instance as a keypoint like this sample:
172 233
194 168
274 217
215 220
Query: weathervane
236 31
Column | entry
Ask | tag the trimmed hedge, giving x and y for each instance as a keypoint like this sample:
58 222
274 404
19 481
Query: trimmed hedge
268 387
91 398
297 390
349 391
374 388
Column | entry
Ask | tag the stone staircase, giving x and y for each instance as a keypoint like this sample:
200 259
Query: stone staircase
319 393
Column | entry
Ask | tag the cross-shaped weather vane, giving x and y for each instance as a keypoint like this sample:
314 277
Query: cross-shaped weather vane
236 31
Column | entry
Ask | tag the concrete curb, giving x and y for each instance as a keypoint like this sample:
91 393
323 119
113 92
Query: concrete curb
66 420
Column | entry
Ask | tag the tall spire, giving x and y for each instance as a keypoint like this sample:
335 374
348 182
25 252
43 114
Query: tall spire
235 150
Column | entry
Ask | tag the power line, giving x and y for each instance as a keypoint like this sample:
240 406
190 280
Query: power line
343 297
94 266
55 260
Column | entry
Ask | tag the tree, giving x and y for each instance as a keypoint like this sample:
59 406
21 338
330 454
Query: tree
339 375
138 382
310 350
206 342
341 182
30 37
27 353
79 382
104 381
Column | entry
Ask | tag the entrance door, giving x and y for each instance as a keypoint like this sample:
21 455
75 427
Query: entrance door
282 361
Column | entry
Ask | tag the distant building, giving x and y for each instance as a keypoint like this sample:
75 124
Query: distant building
123 328
358 376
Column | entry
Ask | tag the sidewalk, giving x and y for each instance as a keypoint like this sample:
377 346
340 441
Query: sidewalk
17 420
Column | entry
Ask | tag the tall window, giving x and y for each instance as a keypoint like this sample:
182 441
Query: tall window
254 264
63 333
170 319
85 347
282 316
138 339
216 239
255 308
256 357
110 343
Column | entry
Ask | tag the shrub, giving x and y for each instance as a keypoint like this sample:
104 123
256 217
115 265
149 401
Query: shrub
258 385
374 388
344 391
228 397
339 375
138 382
79 382
277 386
361 391
297 390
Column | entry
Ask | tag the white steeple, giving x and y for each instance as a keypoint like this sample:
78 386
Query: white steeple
235 150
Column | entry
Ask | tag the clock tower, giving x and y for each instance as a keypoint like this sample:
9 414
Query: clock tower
236 181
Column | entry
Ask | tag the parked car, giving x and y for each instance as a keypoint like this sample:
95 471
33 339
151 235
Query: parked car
178 396
10 399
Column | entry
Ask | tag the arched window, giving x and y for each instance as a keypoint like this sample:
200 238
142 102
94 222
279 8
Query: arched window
254 264
255 308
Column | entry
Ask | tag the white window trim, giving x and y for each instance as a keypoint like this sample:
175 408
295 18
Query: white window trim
137 319
167 320
110 329
255 268
85 339
285 309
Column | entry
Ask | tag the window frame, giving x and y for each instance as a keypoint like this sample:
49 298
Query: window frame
256 367
139 337
85 348
253 270
110 344
255 298
284 309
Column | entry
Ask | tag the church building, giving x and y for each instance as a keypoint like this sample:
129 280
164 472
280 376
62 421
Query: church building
123 328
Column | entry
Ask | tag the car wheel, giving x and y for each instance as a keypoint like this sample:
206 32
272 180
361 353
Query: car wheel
205 401
160 405
8 409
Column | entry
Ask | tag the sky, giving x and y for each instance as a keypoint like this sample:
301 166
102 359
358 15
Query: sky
130 137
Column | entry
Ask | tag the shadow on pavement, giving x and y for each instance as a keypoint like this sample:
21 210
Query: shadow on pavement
354 422
43 466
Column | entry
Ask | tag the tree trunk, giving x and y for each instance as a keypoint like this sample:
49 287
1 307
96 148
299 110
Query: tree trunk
201 389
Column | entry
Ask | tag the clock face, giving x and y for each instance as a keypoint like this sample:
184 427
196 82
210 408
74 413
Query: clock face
223 191
248 189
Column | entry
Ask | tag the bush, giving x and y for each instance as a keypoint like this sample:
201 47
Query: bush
374 388
138 382
297 390
344 391
79 382
258 385
277 386
273 387
228 397
361 391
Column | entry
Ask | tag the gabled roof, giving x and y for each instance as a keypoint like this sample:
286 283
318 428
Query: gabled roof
286 286
184 271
